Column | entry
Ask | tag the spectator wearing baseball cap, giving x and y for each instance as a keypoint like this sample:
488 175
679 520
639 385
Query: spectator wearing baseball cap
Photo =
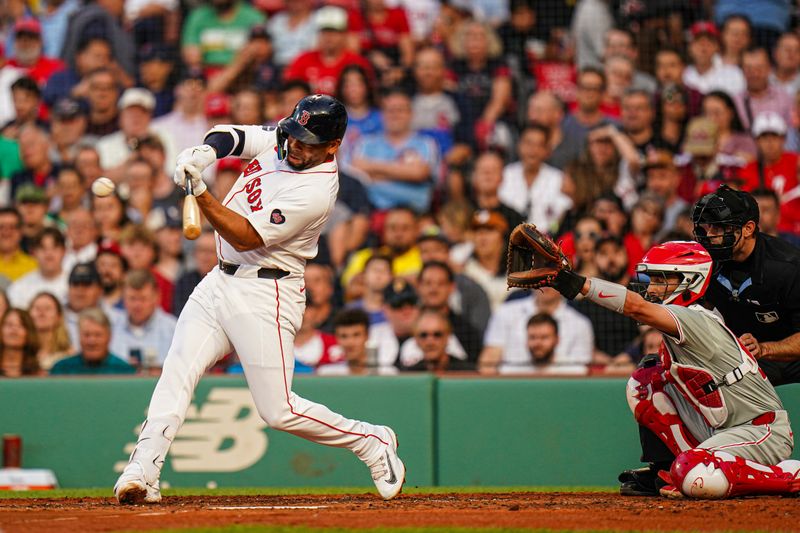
663 180
218 109
68 123
32 203
27 101
779 170
487 265
83 292
28 52
698 161
156 64
401 310
707 72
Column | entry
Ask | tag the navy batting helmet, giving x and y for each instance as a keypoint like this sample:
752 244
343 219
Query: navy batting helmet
316 119
729 209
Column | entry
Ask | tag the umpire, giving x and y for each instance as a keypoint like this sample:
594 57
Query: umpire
756 288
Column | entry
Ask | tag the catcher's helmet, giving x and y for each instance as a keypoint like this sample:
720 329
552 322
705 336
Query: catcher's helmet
729 209
316 119
687 259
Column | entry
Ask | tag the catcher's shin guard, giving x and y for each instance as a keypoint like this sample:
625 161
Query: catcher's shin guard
654 409
701 473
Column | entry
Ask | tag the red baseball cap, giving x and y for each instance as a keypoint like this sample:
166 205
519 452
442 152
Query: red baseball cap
229 163
217 105
704 27
28 25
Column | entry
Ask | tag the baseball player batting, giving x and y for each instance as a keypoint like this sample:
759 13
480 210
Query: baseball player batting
704 395
267 227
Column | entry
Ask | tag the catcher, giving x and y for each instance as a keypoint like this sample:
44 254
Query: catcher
703 394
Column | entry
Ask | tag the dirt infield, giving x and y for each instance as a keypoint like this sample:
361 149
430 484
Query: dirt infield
577 511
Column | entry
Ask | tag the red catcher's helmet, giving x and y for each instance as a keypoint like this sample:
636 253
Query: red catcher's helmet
687 258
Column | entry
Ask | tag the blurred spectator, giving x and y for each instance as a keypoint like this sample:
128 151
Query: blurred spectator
10 161
87 161
102 18
314 348
435 111
431 333
351 328
579 245
218 109
761 97
186 125
786 55
31 201
620 42
348 226
14 263
322 67
93 53
143 332
156 65
386 39
19 345
214 33
487 176
83 292
707 71
68 124
648 342
669 69
103 91
663 180
735 39
769 18
247 107
400 308
94 356
590 23
48 248
468 299
638 120
546 109
111 270
455 220
400 228
319 282
542 340
28 52
138 177
436 285
487 266
54 20
205 259
618 71
27 99
531 186
769 207
401 164
253 67
672 115
483 91
293 30
377 275
775 169
505 343
109 215
152 21
291 92
647 218
169 241
70 196
588 99
166 195
732 138
81 238
699 164
356 91
47 314
37 167
138 246
612 332
523 35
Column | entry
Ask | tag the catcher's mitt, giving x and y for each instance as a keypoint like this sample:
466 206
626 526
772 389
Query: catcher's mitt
534 260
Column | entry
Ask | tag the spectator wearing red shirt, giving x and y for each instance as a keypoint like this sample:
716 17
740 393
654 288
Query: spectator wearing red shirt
775 169
322 67
28 52
384 34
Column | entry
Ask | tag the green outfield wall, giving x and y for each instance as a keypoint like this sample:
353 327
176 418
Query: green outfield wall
453 431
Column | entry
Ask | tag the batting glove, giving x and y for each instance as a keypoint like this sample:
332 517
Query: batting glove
191 163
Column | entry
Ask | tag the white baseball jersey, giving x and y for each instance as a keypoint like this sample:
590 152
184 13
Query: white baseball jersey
287 207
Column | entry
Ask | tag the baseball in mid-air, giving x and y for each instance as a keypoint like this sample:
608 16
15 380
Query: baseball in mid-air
102 186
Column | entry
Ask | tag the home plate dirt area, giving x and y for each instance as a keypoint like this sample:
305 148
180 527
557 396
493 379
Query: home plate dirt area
549 510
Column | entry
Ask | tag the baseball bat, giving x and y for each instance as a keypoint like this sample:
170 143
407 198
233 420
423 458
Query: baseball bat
191 213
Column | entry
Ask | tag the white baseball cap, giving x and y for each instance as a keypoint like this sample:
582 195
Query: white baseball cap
331 18
769 122
137 96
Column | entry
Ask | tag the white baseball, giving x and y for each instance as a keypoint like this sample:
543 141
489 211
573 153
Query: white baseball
102 186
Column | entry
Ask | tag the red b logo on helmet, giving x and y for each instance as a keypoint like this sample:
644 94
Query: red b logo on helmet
304 116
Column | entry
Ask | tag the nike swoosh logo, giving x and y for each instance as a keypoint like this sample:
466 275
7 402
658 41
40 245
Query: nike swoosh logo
601 295
393 478
302 290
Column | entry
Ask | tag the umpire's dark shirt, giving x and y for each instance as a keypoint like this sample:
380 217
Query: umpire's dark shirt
761 296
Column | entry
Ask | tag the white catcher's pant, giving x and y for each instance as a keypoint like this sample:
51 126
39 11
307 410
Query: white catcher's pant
259 318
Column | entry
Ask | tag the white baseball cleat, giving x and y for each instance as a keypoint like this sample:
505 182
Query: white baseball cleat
132 488
388 471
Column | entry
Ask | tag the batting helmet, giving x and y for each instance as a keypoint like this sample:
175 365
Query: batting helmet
316 119
687 259
729 209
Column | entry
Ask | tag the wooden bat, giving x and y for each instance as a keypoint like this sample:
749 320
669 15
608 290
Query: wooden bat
191 213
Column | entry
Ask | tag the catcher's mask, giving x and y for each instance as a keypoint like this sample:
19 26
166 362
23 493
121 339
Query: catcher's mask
718 218
316 119
676 272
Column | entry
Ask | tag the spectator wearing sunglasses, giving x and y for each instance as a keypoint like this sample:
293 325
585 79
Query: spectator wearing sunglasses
432 335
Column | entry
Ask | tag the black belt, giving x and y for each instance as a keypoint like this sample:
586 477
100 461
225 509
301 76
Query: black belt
263 273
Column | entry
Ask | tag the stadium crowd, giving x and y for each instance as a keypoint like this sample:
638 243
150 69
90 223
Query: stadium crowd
602 122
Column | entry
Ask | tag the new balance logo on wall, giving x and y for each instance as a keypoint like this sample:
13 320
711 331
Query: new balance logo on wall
224 435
